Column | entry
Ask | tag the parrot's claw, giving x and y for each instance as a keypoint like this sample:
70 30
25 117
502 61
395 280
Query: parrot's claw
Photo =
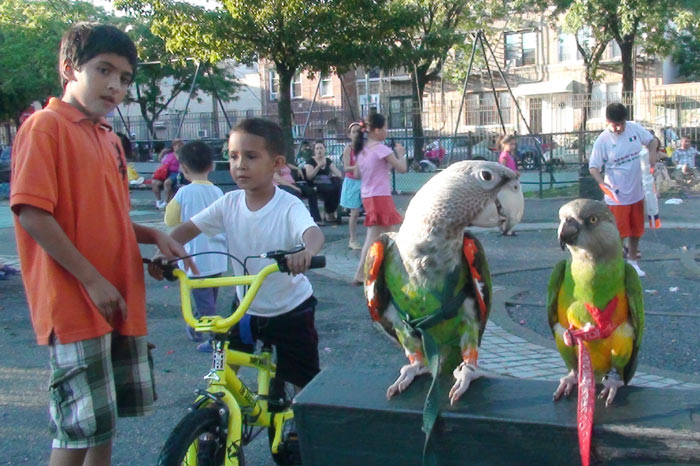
408 373
611 383
566 385
464 375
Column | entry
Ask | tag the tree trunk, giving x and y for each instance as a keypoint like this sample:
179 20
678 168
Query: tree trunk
587 98
284 108
419 82
627 53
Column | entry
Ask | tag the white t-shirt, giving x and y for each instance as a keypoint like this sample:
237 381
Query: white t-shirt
280 224
618 155
190 200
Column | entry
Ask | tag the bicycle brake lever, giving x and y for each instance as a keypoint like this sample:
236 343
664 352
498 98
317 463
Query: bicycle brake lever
279 253
166 266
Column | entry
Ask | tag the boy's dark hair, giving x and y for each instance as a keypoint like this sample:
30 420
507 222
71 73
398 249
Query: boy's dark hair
616 113
266 129
320 141
84 41
196 156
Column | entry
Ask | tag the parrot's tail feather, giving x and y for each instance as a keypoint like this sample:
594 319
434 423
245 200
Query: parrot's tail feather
431 408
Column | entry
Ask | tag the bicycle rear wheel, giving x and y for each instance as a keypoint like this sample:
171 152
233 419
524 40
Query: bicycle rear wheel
196 441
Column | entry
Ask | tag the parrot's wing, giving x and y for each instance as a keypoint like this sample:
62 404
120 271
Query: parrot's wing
376 290
635 300
481 277
555 283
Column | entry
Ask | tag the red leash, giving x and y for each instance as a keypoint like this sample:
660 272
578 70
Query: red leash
586 379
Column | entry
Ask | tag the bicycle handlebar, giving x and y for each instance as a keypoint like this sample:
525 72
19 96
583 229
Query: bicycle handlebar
218 324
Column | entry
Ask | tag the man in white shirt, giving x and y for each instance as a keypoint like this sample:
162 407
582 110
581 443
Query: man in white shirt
616 152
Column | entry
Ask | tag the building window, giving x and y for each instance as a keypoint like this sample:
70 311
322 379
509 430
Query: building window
613 51
295 87
369 104
567 47
521 48
374 73
326 85
481 109
401 112
273 84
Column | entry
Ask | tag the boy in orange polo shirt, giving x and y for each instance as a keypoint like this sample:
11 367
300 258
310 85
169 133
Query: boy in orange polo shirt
78 249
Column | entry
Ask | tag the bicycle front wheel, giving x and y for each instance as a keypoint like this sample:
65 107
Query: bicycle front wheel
196 441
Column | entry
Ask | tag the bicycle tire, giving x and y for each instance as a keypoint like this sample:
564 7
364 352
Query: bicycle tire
286 456
188 431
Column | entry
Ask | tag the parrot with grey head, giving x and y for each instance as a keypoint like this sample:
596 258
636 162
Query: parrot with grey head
428 285
595 309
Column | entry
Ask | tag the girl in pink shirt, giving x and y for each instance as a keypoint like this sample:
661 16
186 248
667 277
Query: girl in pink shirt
508 150
374 161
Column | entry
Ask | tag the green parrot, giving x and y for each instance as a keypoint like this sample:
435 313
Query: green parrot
595 308
428 285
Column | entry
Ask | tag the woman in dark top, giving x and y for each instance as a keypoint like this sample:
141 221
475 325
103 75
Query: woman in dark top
326 178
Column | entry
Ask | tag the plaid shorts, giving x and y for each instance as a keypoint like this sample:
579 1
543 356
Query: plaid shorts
93 381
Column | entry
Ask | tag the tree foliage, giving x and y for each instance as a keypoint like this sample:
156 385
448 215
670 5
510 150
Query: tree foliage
30 33
424 45
645 23
163 77
292 34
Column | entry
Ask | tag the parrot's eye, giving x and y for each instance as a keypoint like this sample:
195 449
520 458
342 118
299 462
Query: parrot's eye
485 175
593 219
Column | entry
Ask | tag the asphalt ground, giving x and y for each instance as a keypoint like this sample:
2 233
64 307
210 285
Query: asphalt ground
520 268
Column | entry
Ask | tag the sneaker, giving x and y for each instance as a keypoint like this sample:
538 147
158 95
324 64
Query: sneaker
354 245
161 205
205 347
639 271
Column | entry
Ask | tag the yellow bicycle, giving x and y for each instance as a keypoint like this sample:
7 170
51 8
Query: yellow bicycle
224 417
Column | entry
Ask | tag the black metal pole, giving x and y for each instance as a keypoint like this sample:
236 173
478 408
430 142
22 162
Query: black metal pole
464 90
221 104
184 114
126 125
493 86
515 101
347 98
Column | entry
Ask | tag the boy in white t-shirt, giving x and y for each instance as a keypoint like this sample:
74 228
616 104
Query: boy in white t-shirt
616 151
259 218
196 162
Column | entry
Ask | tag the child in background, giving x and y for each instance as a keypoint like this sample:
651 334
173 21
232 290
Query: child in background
374 161
508 151
169 184
81 263
196 162
258 218
350 194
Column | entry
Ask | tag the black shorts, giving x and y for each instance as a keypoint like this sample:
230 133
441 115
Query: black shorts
292 333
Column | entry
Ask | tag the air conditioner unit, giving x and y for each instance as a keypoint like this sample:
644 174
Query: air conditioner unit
202 133
511 63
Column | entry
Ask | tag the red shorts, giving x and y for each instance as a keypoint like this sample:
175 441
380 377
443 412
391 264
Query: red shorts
380 211
629 219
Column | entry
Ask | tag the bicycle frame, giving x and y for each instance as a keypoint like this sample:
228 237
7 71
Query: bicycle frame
224 387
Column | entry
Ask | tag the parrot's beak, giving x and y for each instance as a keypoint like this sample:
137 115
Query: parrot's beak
505 211
568 232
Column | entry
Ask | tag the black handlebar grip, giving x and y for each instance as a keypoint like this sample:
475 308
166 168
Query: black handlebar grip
318 262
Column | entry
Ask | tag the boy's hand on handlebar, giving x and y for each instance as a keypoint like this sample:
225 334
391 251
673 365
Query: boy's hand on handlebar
299 262
171 249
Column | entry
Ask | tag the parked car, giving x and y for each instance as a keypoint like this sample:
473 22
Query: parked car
471 148
568 154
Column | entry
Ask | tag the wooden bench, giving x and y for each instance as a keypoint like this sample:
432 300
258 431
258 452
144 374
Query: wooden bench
344 418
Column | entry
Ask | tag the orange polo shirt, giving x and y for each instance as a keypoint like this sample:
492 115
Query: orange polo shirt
75 169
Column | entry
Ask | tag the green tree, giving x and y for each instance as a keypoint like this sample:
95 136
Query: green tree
163 76
631 23
590 43
292 34
29 36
